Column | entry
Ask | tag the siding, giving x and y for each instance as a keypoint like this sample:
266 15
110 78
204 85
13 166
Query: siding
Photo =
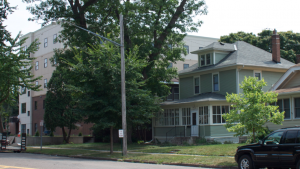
227 82
186 87
204 131
219 131
242 75
271 78
172 131
295 81
219 57
206 83
287 123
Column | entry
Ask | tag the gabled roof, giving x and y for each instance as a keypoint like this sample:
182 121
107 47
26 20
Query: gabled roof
247 55
198 98
217 46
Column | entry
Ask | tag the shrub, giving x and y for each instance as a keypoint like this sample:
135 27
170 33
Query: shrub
80 134
228 142
201 140
37 133
51 134
214 142
140 141
157 141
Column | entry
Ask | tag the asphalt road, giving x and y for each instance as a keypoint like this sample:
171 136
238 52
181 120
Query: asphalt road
38 161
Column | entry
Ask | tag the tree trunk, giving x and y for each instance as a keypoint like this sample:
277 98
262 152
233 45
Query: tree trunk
1 125
68 137
64 134
253 132
111 139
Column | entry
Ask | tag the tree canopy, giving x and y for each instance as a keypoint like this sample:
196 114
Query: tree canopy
252 109
289 42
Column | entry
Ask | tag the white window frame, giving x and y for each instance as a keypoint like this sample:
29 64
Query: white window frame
37 65
45 42
195 86
36 83
210 55
45 62
187 48
54 38
204 117
257 71
45 83
221 114
187 117
283 108
186 64
212 76
204 59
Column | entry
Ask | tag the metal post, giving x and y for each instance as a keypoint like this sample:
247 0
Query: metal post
41 137
124 126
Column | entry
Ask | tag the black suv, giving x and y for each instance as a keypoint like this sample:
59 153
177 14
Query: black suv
280 149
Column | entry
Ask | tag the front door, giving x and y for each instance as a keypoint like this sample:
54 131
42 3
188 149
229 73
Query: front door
195 127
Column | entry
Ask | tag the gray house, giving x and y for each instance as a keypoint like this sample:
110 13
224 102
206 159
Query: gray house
220 69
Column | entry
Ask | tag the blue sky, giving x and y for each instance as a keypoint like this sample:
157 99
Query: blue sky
224 17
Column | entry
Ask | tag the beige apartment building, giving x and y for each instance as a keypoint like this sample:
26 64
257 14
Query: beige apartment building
32 104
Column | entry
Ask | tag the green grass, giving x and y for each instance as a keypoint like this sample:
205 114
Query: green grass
158 158
210 150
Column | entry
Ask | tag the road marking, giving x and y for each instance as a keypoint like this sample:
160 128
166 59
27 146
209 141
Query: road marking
13 167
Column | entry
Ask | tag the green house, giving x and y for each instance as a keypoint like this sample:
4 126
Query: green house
220 69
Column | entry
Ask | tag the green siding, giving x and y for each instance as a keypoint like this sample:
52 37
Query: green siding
219 131
204 131
227 82
186 87
286 123
293 82
161 131
219 57
242 75
271 78
206 83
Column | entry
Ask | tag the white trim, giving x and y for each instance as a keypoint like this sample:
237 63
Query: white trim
257 71
214 55
284 77
212 76
194 77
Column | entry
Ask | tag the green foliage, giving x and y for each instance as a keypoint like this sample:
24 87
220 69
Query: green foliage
201 140
252 109
140 141
37 133
259 135
228 142
51 134
80 134
289 42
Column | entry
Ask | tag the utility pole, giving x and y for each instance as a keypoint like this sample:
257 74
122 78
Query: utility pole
124 125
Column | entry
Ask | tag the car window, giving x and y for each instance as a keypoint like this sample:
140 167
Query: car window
273 138
290 137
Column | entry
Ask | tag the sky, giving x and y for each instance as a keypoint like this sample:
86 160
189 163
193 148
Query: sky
223 17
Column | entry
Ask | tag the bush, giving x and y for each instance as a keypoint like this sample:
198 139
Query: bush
51 134
80 134
214 142
228 142
201 140
37 133
140 141
259 136
157 141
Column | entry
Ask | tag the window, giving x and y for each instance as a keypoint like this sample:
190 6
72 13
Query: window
54 61
186 116
45 42
170 96
218 112
45 63
185 66
273 138
208 62
43 104
170 65
45 83
197 85
28 93
23 128
216 82
35 127
28 113
257 74
202 60
23 90
187 49
23 108
284 105
203 115
290 137
297 107
35 105
36 65
36 83
176 93
170 117
54 38
27 131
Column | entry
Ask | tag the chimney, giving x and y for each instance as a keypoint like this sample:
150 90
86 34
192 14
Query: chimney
297 58
275 47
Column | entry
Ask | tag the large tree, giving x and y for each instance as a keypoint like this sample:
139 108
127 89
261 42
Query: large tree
15 62
289 42
252 109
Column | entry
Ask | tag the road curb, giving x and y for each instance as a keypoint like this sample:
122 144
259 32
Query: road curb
145 162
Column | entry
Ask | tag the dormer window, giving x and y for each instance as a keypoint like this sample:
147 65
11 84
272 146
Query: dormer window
202 60
206 59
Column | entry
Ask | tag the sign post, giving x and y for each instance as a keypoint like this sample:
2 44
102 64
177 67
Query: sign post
41 133
121 134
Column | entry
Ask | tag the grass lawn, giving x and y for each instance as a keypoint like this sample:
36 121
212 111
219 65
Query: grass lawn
211 150
158 158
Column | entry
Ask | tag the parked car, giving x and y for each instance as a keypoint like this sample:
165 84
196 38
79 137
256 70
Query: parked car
280 149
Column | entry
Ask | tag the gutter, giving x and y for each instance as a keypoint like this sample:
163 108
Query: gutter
289 93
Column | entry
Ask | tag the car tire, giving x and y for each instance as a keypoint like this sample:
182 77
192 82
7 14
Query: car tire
245 162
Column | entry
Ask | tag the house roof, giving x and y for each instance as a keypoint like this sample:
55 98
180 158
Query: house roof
197 98
217 46
289 90
246 54
287 75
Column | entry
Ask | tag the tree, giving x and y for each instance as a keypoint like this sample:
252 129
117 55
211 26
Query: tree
15 62
289 42
98 92
59 107
252 109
